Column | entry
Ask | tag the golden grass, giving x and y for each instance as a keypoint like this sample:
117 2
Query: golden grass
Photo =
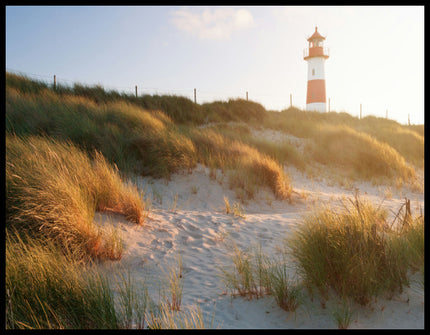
249 169
354 252
136 140
54 189
358 154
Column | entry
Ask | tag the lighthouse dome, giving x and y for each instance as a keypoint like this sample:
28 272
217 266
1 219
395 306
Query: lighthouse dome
316 36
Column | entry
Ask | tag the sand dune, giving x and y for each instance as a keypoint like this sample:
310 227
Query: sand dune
188 218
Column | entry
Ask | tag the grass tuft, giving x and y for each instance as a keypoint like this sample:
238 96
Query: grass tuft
353 252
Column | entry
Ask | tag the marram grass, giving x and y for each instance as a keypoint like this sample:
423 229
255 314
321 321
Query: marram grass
353 252
53 190
249 169
358 154
47 289
254 274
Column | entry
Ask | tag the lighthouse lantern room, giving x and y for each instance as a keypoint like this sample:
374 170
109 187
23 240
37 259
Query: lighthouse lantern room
316 55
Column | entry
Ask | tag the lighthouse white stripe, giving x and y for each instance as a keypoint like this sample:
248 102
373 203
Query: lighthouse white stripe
316 68
316 106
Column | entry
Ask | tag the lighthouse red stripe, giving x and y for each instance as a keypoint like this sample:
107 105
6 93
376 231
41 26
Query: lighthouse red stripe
316 91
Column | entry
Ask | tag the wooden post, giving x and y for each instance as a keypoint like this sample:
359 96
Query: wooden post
136 90
55 82
246 95
407 218
195 100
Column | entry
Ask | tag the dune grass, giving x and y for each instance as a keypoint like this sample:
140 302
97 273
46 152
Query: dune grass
354 252
148 129
236 209
358 154
283 153
254 274
49 289
153 144
53 190
404 139
191 317
249 169
234 110
408 141
174 283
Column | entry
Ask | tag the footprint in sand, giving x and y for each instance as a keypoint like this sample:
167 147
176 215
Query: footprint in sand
187 240
193 227
196 242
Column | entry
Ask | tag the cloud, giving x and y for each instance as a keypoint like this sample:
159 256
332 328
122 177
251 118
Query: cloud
213 24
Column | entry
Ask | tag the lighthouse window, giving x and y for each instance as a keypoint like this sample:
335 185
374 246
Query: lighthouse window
313 72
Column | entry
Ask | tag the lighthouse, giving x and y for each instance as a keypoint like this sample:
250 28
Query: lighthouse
316 55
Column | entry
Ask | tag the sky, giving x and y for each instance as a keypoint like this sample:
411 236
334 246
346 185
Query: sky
376 53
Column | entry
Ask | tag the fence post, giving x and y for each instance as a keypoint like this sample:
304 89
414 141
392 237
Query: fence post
195 100
55 82
136 90
246 95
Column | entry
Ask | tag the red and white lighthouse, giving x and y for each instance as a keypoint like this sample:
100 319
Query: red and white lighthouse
316 55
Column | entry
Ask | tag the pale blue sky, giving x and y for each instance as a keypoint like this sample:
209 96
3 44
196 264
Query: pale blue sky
376 53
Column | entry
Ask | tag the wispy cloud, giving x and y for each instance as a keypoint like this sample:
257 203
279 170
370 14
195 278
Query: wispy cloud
219 23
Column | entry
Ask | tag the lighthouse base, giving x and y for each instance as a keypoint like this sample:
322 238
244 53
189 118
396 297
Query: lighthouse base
316 107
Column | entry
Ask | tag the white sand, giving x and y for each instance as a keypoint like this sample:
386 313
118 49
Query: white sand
188 218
